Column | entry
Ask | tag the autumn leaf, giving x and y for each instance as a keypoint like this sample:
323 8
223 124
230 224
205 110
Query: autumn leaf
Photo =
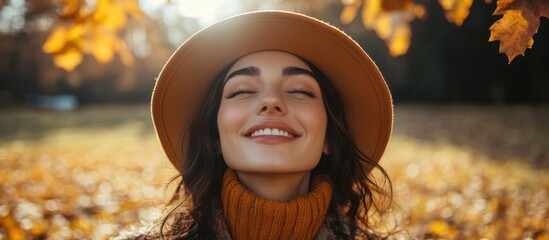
56 41
542 235
14 231
392 26
395 5
94 31
68 59
110 14
103 48
132 8
349 12
520 21
124 53
441 228
456 11
71 8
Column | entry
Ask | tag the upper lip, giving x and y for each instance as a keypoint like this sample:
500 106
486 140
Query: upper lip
271 125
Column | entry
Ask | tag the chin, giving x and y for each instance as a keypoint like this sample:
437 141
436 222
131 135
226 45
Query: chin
272 168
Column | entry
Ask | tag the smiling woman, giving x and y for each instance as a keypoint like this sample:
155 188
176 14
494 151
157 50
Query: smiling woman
266 102
273 138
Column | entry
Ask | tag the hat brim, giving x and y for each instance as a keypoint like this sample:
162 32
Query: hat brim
182 83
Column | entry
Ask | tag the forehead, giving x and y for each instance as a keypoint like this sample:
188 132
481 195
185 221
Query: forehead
269 59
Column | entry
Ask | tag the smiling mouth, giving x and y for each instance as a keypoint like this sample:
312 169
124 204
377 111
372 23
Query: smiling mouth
271 132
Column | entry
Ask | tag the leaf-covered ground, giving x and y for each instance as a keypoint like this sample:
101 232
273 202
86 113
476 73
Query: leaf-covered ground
458 172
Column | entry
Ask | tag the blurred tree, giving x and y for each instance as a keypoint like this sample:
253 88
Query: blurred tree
95 28
420 45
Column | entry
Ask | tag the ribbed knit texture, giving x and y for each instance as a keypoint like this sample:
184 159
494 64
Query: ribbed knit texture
249 216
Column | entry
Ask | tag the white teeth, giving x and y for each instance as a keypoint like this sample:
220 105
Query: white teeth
271 132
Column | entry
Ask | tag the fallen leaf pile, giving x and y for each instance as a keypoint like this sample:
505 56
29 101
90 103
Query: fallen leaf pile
457 172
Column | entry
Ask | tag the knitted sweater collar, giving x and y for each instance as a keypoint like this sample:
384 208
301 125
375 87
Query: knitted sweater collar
249 216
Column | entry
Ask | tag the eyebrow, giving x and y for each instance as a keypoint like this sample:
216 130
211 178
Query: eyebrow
256 71
247 71
291 70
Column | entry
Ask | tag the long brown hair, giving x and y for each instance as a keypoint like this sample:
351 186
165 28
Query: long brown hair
191 215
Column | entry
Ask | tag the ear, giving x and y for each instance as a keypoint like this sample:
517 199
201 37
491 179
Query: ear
326 148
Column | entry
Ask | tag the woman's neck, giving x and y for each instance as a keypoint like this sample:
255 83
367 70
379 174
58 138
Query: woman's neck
276 186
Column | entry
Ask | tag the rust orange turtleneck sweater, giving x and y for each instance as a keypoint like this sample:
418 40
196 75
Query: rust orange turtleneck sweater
249 216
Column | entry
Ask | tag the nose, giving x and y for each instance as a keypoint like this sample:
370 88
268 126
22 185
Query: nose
271 103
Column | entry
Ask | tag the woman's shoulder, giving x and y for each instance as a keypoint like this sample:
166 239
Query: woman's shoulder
335 226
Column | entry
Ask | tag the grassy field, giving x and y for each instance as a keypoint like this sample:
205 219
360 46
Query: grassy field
459 172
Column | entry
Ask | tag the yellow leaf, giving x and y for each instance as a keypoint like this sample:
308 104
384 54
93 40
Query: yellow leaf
456 11
13 230
395 5
103 47
71 7
82 225
92 31
76 32
110 15
441 229
125 55
38 228
56 40
370 11
69 59
542 235
518 25
132 7
349 12
384 26
117 18
393 27
400 42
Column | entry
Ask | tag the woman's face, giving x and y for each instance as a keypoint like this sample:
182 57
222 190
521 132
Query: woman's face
271 118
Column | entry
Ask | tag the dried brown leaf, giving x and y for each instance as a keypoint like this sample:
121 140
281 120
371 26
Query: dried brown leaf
520 21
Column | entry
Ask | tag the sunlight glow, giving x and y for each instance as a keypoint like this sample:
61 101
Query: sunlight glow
199 9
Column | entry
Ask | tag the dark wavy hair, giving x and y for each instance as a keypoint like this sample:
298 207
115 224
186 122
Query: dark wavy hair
357 193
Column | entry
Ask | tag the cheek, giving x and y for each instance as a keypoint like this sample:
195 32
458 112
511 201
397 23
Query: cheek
230 119
225 117
315 117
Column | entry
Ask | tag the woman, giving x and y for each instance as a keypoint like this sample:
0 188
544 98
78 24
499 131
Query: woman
274 121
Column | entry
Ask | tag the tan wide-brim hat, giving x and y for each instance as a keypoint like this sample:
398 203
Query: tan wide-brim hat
182 83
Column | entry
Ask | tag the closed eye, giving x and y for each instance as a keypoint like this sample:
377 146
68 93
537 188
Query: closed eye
239 91
303 91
